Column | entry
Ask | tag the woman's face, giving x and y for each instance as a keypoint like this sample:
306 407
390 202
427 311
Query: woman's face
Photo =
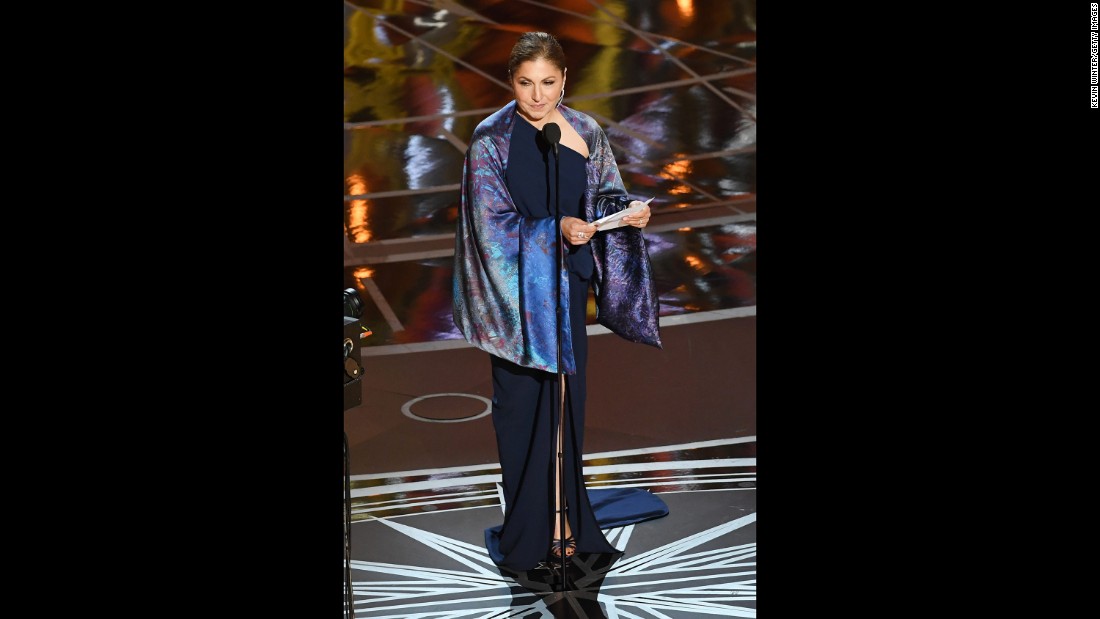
537 85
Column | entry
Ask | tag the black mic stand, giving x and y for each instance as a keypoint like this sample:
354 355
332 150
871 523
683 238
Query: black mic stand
559 396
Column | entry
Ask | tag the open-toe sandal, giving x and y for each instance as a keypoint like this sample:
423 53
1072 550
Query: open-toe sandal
570 547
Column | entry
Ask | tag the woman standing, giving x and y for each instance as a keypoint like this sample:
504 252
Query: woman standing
520 200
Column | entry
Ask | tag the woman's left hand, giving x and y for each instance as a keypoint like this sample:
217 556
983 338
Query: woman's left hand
639 219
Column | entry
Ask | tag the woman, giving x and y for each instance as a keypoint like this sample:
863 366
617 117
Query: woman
519 201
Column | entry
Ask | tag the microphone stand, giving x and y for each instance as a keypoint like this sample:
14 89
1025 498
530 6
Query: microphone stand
560 394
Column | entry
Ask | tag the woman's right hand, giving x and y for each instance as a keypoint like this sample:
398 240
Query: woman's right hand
577 231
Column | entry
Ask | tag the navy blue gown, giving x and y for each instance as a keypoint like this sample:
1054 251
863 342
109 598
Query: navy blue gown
523 412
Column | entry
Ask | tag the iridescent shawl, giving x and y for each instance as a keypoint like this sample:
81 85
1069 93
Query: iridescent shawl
505 263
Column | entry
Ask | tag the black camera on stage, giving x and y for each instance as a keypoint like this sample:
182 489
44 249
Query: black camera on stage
353 332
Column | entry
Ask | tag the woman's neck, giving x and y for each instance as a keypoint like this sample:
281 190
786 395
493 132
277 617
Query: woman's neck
553 117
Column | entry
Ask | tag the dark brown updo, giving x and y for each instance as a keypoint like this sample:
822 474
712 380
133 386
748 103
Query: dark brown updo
533 46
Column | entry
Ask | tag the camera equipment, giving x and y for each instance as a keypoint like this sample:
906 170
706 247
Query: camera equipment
353 303
353 396
353 331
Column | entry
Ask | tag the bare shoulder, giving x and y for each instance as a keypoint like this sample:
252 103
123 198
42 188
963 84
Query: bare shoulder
570 137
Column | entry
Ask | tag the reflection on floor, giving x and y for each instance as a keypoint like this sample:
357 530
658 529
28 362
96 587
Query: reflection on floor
673 84
430 525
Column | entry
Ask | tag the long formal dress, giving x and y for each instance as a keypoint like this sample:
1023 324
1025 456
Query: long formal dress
515 190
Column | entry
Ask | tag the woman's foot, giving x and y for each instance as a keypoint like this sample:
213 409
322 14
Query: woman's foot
570 547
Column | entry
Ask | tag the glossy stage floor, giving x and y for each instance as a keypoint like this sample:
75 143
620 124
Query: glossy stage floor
673 85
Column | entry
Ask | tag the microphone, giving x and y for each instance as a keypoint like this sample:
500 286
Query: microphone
552 133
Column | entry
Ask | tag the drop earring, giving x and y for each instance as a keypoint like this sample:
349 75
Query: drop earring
562 97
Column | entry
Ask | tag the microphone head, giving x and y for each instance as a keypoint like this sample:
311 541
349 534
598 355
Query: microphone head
552 133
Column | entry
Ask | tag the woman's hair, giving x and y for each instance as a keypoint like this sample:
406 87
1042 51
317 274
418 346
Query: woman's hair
533 46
